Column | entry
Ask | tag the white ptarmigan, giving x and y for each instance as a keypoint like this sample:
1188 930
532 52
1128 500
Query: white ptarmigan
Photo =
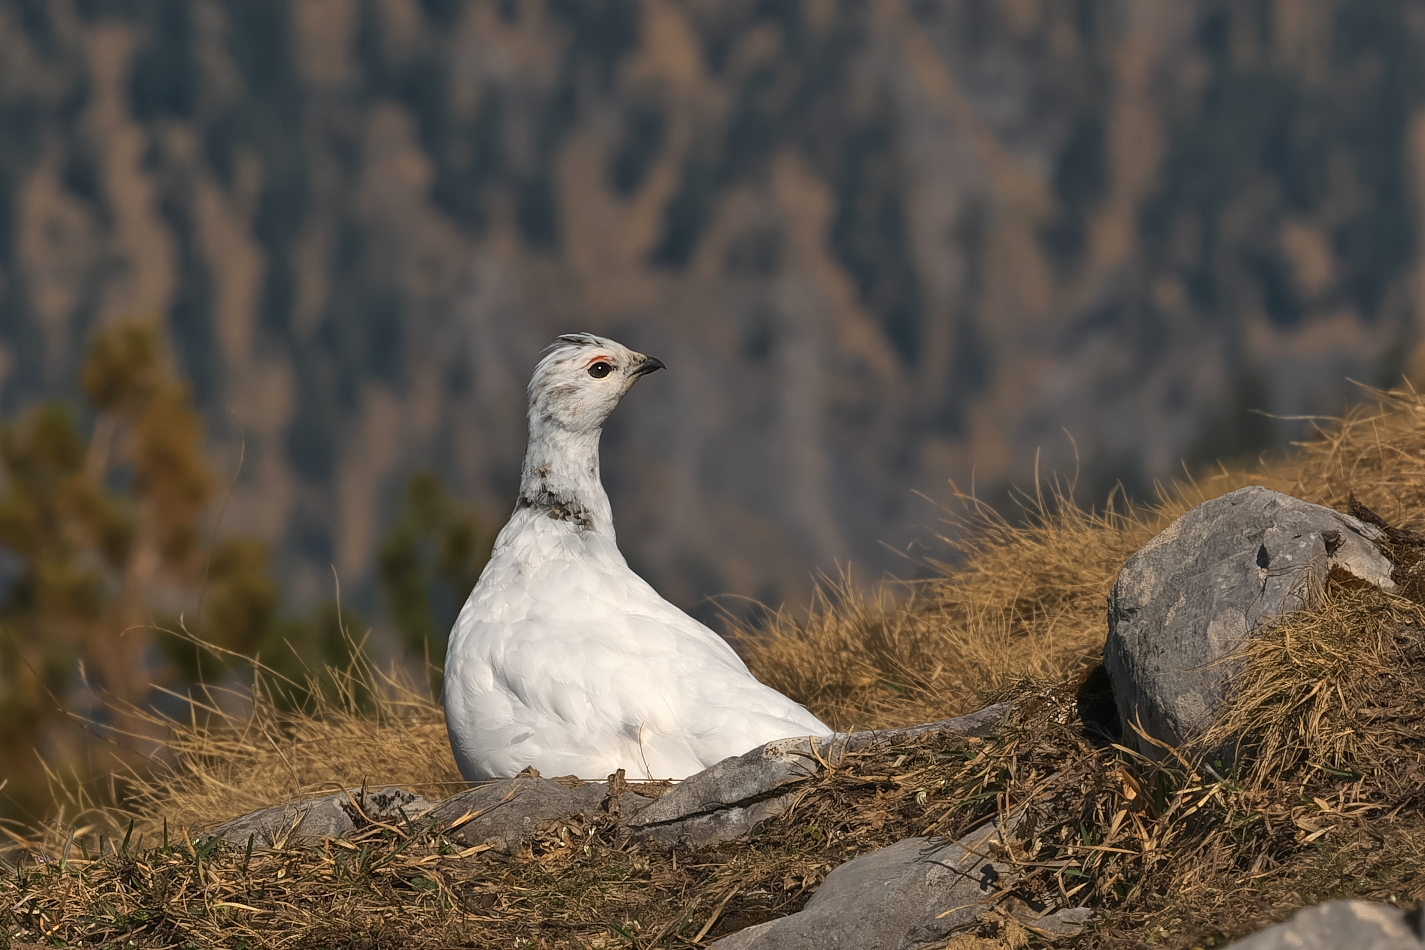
562 657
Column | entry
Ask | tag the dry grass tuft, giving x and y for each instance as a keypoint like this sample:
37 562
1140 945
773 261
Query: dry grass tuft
1323 688
1023 602
279 740
1375 454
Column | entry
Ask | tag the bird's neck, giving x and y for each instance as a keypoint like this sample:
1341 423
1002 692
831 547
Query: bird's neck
561 480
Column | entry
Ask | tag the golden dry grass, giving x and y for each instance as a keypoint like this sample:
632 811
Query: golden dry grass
1376 454
1024 600
576 886
279 740
1326 688
1166 851
1023 603
1329 705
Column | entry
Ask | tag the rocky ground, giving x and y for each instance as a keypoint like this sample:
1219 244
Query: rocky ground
1245 739
1074 816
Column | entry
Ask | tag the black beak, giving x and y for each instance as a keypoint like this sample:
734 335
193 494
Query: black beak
650 364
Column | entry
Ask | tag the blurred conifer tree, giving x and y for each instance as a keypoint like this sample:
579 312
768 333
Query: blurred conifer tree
429 562
93 522
106 543
102 515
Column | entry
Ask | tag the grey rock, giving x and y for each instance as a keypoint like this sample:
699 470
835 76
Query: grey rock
305 822
389 805
1359 925
913 894
726 800
1187 603
315 820
705 829
508 813
1062 922
740 779
721 803
979 724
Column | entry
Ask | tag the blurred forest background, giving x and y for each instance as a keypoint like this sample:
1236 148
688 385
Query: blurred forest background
273 274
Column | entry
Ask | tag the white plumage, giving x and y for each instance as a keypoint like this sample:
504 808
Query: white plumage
563 658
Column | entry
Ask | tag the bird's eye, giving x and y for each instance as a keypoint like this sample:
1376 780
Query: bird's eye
600 369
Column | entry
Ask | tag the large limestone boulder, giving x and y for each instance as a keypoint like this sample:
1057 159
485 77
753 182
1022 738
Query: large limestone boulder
1188 602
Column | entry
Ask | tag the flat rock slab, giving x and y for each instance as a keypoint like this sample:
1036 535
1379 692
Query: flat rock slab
508 813
725 801
1359 925
912 894
1187 603
915 893
721 803
754 774
312 821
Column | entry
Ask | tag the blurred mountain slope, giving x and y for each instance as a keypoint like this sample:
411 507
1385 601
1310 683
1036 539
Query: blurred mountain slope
880 244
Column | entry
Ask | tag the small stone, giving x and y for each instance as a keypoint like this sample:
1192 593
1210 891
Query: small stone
916 892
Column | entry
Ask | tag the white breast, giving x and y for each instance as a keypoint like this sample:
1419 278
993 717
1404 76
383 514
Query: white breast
566 660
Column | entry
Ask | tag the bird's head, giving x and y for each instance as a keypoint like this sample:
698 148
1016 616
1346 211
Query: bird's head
581 379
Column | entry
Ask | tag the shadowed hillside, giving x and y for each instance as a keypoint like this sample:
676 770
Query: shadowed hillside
879 244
